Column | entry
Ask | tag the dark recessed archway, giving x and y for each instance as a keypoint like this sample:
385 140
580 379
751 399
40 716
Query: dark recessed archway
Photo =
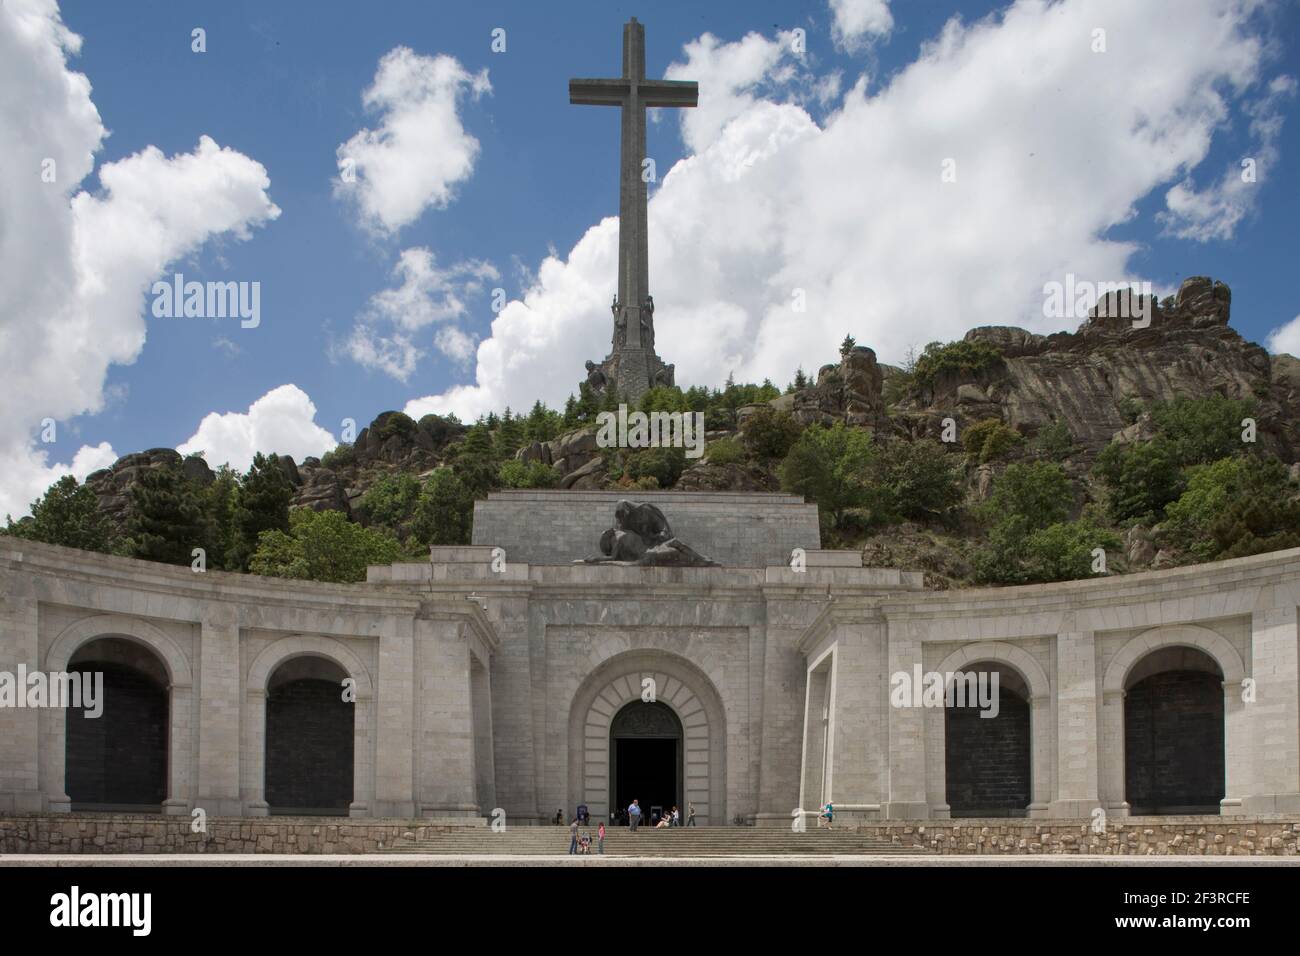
987 759
645 758
309 739
1173 733
117 761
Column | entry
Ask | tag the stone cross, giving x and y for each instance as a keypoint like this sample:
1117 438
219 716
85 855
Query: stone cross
632 92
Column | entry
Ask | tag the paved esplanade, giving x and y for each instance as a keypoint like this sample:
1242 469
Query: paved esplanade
632 366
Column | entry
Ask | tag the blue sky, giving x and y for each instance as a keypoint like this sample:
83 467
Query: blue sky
281 85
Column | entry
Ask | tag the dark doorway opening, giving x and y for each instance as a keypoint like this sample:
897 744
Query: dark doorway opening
309 739
1173 734
645 743
117 762
988 758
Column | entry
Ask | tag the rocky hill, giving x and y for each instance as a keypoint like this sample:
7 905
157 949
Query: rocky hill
1094 382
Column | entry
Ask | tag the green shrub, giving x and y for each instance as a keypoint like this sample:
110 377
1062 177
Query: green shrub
664 398
989 440
1141 479
921 479
1038 493
391 501
397 423
964 357
725 451
445 512
1015 553
323 546
665 465
1053 442
770 434
833 467
1201 430
1263 514
1064 551
67 514
341 456
1130 409
534 474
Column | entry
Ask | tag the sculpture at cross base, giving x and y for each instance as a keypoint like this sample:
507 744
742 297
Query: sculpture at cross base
632 366
641 536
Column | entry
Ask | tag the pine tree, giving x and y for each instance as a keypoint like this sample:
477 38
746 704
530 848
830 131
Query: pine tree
67 514
476 462
262 505
218 501
542 424
445 512
509 436
167 516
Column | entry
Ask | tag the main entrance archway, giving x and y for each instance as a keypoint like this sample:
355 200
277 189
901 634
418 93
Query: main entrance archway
645 758
637 678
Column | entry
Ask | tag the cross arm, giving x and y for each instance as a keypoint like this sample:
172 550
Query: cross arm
598 92
669 92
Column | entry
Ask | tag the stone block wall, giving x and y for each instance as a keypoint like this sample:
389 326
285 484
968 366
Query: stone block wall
1134 836
126 833
736 529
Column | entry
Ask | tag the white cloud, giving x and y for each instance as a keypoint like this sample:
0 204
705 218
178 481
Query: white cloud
282 421
858 21
1215 212
728 75
74 265
420 150
1053 145
382 337
1285 338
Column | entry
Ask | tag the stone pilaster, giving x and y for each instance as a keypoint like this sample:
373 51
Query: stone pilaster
783 704
219 705
444 743
20 785
1076 726
855 776
906 791
395 727
1268 781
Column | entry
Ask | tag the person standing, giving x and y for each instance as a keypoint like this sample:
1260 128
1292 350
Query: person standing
573 837
600 838
677 818
633 815
690 814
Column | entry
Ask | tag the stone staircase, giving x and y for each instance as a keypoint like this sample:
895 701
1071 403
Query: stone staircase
679 842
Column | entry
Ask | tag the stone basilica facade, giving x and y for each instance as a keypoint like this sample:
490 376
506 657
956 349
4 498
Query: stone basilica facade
505 677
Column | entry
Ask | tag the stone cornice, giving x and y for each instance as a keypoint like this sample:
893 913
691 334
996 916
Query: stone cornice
1075 598
133 574
467 612
839 610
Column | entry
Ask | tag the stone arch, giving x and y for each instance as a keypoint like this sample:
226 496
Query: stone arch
1017 658
1112 757
1178 635
271 657
1035 678
129 628
306 645
684 688
180 703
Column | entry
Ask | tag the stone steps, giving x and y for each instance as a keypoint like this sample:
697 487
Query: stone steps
681 842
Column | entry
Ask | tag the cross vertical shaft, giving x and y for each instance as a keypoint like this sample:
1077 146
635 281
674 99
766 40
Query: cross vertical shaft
633 307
